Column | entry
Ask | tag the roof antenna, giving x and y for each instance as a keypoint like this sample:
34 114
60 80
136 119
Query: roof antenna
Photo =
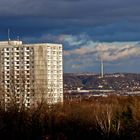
18 38
8 35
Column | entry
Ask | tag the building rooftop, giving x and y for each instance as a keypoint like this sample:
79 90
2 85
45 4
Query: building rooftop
14 42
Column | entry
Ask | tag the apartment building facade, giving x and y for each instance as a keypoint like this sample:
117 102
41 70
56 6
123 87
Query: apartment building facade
31 73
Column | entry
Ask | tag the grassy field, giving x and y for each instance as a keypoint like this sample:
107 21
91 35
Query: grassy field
111 118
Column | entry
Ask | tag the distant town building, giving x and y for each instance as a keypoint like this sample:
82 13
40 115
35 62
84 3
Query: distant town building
31 73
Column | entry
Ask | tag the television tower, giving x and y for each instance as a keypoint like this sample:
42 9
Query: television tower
102 68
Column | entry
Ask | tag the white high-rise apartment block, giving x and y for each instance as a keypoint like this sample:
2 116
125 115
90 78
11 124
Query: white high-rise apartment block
31 73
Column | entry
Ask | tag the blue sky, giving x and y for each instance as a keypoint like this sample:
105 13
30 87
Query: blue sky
88 30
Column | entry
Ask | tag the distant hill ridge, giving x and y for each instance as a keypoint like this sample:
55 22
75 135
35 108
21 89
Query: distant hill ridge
115 81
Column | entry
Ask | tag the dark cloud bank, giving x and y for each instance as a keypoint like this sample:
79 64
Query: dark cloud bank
103 20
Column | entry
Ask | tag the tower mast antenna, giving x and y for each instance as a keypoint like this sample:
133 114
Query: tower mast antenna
102 68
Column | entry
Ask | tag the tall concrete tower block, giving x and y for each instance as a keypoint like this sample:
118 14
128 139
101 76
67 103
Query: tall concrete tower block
31 73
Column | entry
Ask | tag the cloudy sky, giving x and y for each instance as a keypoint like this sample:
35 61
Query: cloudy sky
88 29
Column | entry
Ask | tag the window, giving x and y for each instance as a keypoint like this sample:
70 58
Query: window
17 76
28 71
7 91
8 86
17 90
27 53
17 86
17 71
7 72
7 76
17 95
28 90
28 85
8 94
27 48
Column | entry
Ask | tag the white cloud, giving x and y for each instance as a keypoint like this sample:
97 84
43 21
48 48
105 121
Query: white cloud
85 57
108 51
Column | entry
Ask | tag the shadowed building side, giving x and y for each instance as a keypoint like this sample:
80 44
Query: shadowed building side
48 72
